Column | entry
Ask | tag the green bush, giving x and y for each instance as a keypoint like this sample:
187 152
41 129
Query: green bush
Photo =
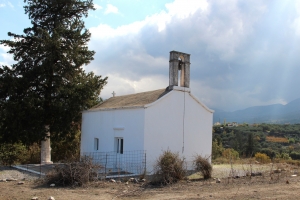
34 154
203 166
230 154
11 154
169 168
262 158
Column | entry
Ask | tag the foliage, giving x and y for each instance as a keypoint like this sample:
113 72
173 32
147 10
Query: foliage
295 155
277 139
262 158
12 153
284 156
230 154
221 160
271 139
217 149
66 147
203 166
73 173
169 168
250 146
47 87
33 154
291 140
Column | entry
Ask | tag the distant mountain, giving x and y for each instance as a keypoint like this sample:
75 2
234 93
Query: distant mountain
276 113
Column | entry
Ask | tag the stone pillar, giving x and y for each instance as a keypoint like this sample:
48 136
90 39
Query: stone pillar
186 75
46 149
176 58
173 71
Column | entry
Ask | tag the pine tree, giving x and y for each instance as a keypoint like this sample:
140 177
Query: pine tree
47 88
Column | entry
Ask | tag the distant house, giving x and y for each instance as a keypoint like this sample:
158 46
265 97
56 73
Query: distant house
154 121
235 124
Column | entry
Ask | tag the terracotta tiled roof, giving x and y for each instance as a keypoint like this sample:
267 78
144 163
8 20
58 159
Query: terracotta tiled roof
131 100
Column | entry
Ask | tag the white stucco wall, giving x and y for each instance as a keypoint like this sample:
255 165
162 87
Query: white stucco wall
157 127
108 124
168 125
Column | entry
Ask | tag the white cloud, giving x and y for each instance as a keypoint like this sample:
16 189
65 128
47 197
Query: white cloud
2 5
7 59
10 4
97 7
111 9
242 52
183 9
122 86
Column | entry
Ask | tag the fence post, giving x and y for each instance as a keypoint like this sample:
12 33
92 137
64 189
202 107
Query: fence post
105 163
145 164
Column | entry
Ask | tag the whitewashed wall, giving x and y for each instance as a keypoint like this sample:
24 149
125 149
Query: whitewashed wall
164 127
106 125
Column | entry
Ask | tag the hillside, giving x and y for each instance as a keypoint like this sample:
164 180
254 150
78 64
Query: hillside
276 113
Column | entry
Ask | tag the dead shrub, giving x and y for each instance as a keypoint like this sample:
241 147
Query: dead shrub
169 168
203 166
74 173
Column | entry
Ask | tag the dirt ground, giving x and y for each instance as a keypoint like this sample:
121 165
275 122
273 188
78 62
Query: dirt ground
270 185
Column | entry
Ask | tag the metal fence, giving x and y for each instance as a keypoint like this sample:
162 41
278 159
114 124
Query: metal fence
129 163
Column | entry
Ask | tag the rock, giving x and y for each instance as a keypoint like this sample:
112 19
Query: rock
131 179
126 183
143 180
256 162
135 180
256 174
118 182
294 175
51 198
277 171
112 180
34 198
20 183
218 180
287 182
11 179
3 180
52 185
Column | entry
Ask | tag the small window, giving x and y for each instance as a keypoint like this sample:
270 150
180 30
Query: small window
96 144
119 145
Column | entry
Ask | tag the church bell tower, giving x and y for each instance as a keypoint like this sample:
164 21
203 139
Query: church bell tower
179 62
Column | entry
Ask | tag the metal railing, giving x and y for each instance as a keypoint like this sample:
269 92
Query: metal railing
129 163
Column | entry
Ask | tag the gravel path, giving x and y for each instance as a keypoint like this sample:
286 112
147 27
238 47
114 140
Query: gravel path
10 172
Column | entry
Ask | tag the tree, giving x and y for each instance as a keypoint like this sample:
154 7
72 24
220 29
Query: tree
251 145
217 149
47 88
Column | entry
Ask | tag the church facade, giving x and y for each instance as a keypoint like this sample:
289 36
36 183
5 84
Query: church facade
164 119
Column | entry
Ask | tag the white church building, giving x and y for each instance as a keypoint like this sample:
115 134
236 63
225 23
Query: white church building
152 122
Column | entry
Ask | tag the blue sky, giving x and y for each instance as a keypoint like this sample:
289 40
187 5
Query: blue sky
243 53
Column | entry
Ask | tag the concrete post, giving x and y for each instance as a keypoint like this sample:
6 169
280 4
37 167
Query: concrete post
46 149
